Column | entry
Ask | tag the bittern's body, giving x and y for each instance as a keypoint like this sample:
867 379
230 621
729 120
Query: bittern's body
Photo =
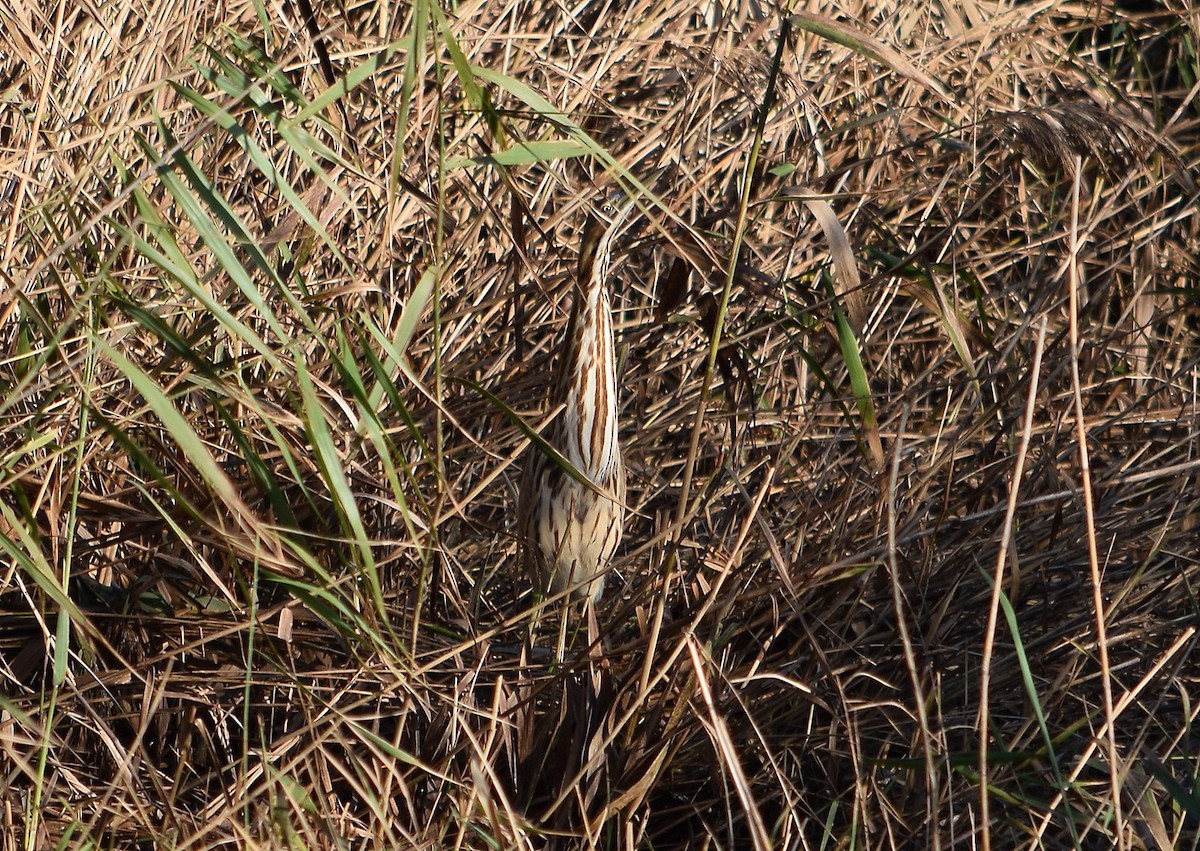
571 530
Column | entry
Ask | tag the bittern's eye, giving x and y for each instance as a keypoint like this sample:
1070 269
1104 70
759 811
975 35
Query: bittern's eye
609 210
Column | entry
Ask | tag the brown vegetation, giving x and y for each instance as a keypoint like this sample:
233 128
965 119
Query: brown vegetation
908 383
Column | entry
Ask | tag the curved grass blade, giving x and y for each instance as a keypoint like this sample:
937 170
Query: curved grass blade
867 45
330 464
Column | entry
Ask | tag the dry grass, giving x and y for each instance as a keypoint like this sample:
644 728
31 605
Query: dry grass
262 347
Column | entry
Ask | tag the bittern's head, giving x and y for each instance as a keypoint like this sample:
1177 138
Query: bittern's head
610 218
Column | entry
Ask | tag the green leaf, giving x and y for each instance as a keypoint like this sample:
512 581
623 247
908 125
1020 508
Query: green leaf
329 462
525 153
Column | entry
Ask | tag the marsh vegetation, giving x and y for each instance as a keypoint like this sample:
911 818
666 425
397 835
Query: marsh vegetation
907 346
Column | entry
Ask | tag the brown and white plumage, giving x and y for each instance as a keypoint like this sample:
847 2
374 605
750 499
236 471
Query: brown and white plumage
569 530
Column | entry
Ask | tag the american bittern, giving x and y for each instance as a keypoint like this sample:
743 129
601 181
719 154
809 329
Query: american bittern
570 530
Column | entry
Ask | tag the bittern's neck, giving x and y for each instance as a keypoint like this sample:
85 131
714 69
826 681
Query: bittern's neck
589 433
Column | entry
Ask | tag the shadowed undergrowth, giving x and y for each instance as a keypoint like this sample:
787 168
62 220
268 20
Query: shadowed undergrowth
281 302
